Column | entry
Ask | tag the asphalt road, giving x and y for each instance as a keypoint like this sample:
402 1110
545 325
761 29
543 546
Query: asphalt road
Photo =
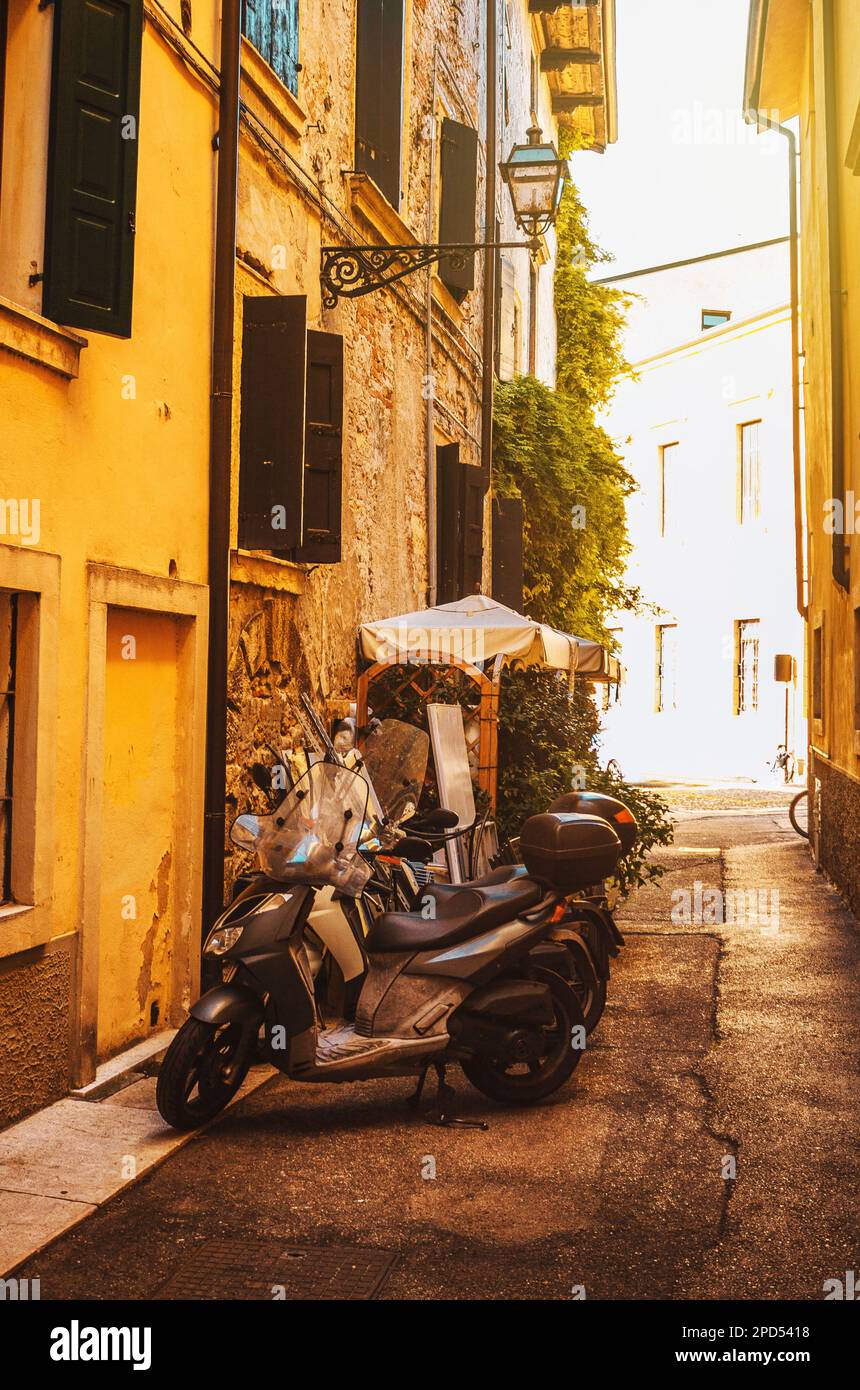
706 1147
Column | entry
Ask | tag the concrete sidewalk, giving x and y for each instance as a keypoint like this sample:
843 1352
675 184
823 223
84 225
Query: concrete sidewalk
60 1165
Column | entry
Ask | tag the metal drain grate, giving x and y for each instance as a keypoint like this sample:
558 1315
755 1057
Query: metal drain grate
228 1268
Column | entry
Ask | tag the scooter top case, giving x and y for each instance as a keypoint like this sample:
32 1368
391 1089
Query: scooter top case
570 852
620 817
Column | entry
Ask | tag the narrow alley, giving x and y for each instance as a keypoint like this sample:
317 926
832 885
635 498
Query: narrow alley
707 1147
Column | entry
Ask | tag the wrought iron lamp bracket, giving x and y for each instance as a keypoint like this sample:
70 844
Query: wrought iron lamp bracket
347 272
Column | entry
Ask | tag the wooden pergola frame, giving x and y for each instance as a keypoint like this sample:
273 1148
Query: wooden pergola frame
485 708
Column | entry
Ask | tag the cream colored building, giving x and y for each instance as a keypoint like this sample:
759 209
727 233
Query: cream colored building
803 60
704 426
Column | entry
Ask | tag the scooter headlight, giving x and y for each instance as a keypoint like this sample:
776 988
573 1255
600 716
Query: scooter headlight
221 940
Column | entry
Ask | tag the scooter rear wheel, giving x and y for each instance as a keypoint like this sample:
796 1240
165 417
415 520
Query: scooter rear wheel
524 1083
202 1070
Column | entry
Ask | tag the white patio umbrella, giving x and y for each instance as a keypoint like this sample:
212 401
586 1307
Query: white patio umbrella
477 629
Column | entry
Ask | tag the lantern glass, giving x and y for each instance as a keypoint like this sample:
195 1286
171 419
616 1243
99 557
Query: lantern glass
534 174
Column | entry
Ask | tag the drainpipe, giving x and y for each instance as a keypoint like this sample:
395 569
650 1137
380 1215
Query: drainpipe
834 250
766 123
429 386
487 380
220 459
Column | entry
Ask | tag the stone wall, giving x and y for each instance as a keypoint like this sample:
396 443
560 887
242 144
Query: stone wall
836 806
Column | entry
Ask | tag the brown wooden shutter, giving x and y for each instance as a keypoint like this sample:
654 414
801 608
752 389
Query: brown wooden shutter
92 164
472 534
448 523
508 551
378 93
271 433
457 208
321 529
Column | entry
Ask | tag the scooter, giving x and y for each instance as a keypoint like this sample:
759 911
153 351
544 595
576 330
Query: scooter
466 985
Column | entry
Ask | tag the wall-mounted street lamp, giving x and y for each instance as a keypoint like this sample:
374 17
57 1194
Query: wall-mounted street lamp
535 178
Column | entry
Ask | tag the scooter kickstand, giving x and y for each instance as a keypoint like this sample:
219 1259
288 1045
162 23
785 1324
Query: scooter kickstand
437 1114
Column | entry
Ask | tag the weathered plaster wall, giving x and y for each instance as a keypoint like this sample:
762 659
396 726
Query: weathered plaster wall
35 1018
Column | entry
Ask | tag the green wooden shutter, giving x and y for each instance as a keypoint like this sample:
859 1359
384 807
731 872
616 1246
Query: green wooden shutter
508 551
272 26
271 432
321 538
378 93
92 164
457 215
448 523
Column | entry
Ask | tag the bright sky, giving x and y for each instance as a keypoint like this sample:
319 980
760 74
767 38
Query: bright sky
687 175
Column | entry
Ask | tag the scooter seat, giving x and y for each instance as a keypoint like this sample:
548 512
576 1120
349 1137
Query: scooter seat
459 916
505 873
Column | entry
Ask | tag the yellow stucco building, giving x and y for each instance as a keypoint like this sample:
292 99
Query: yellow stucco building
103 530
803 67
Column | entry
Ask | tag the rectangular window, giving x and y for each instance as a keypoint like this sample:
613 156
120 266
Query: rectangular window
272 26
749 472
746 665
712 318
818 673
508 323
379 93
667 464
8 662
667 665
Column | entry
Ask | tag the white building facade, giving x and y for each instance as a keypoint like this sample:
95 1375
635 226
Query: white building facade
704 426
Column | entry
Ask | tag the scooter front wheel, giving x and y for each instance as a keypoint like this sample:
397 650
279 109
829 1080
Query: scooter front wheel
554 1059
202 1070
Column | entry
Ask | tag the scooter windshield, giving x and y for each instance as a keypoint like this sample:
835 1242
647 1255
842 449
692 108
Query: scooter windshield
395 756
313 836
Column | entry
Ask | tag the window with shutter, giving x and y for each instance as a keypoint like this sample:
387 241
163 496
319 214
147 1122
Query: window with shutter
448 523
271 431
92 165
508 551
472 493
290 433
378 93
321 508
272 26
458 164
459 525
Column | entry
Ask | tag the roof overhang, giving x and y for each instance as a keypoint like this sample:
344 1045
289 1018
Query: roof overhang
776 51
578 58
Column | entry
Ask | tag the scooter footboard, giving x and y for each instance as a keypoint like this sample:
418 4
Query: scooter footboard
396 1003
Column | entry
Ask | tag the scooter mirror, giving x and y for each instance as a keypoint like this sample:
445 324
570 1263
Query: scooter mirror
245 832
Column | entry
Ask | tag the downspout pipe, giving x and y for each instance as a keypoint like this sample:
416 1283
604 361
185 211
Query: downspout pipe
220 461
834 252
491 161
764 122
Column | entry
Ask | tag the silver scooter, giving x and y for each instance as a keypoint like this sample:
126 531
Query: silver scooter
463 985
